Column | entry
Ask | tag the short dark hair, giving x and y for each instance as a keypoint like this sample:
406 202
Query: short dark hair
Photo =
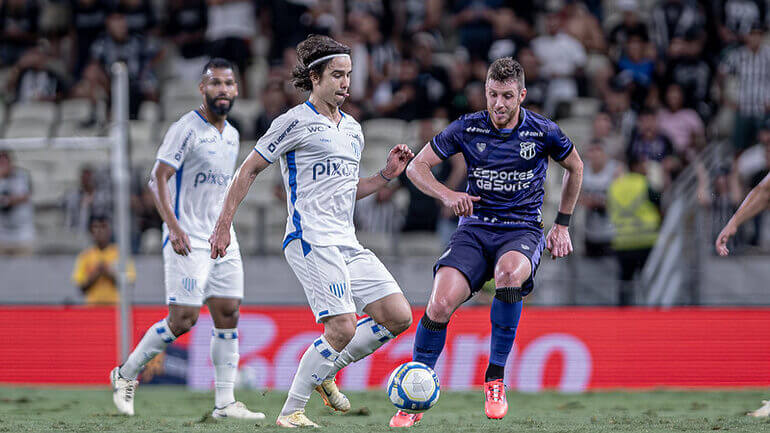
506 69
98 218
218 63
309 50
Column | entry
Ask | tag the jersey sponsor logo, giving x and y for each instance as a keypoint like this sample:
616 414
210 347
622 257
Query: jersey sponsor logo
272 146
180 152
530 134
481 146
477 130
317 128
204 140
502 181
332 167
211 178
528 150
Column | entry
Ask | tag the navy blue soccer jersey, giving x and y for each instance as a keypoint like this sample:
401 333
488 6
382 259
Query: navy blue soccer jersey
506 167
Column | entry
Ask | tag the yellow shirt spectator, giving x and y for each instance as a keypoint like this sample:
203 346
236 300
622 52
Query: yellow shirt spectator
95 268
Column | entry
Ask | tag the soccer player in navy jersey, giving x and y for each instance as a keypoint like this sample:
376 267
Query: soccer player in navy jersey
500 234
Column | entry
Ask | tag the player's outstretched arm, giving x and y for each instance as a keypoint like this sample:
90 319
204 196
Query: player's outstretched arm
755 202
420 175
161 173
558 240
398 157
236 191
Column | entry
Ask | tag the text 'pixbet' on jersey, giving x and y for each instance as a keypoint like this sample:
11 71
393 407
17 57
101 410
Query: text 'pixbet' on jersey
334 167
211 178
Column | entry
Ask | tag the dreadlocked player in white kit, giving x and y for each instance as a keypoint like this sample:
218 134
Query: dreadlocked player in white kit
199 151
319 148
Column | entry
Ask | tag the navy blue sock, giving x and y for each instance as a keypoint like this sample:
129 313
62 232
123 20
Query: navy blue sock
505 319
429 341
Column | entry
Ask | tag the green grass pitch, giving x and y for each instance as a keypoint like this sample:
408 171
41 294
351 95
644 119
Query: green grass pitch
174 409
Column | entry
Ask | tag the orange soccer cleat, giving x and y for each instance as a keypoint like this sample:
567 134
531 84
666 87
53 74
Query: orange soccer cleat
404 419
495 404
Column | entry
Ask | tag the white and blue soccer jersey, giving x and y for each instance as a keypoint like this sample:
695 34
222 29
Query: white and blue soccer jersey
204 161
320 165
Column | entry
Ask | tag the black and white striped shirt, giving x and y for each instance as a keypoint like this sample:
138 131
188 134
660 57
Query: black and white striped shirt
753 72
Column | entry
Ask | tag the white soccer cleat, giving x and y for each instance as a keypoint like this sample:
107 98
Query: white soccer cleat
762 412
236 410
123 391
332 396
294 420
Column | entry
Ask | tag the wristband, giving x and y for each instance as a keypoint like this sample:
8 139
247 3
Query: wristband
387 179
562 219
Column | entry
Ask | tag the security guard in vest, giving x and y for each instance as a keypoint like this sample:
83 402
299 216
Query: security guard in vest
634 211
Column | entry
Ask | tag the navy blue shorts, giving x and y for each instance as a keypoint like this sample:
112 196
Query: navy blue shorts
475 249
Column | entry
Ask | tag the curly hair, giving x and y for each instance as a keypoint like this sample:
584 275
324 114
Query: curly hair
313 48
506 69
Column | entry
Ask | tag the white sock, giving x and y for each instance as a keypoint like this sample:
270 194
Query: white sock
154 341
369 336
314 366
224 356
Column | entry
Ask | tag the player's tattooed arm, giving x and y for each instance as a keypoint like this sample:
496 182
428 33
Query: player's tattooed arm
158 185
757 201
398 158
419 172
558 240
244 177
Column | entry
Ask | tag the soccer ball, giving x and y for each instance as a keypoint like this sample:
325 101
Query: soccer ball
413 387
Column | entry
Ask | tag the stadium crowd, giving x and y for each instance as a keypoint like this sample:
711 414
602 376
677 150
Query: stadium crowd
641 86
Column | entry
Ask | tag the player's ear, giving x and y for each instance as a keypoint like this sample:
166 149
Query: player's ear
522 95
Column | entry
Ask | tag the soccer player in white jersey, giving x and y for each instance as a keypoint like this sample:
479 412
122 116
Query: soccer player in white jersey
194 166
319 147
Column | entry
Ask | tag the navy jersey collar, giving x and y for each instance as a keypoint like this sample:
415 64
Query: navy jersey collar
508 131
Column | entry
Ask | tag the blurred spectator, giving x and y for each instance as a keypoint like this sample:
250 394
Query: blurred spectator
414 17
17 215
736 18
617 104
681 125
381 53
604 132
425 213
38 76
231 27
650 144
750 64
88 23
18 28
634 212
95 271
144 214
584 27
433 86
280 21
118 45
93 197
636 67
675 19
630 25
398 97
598 175
274 103
685 66
562 58
473 20
536 85
186 23
140 17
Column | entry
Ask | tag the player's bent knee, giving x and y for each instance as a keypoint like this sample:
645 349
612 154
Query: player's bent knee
339 330
440 310
510 278
400 324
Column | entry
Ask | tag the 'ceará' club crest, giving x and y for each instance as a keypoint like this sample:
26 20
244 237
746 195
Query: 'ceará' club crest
527 150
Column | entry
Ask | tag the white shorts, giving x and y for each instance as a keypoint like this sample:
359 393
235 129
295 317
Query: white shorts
339 279
192 279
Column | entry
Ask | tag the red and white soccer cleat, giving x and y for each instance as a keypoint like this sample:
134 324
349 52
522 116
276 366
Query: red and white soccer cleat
404 419
495 404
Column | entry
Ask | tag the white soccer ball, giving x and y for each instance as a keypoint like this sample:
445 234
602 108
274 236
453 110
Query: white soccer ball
413 387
